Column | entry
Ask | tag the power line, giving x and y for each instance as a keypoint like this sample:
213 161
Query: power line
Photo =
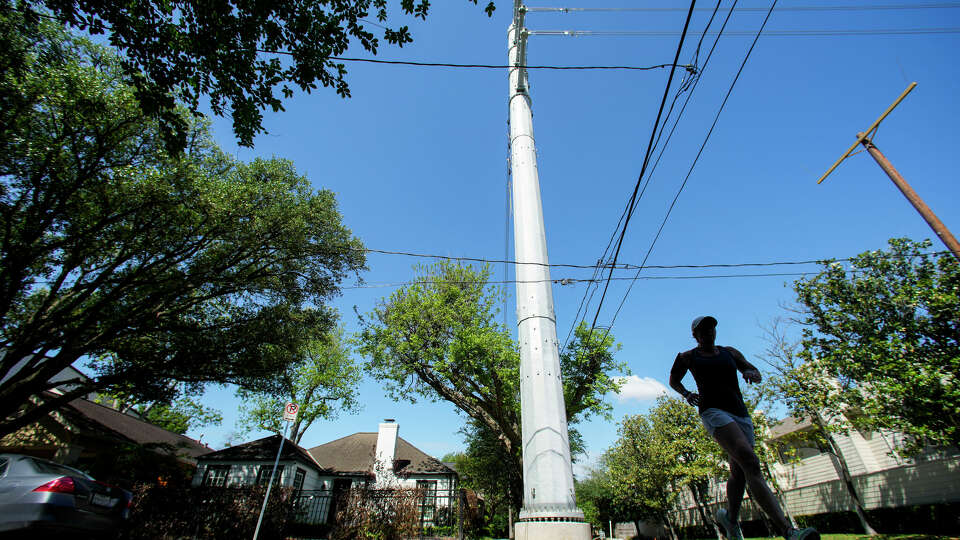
484 66
574 281
696 159
777 33
571 281
646 160
624 266
860 7
589 293
442 64
689 96
693 87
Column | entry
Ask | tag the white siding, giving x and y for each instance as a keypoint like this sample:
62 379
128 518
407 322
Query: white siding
882 479
244 473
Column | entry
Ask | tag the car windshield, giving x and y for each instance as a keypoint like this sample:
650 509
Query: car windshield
3 466
48 467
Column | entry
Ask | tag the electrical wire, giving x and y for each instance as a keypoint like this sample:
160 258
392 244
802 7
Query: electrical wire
570 281
591 291
625 266
646 160
484 66
695 160
692 89
861 7
772 33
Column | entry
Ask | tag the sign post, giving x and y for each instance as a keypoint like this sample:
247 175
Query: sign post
290 411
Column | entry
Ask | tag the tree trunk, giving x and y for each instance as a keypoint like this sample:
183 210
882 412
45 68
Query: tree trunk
701 507
670 529
840 464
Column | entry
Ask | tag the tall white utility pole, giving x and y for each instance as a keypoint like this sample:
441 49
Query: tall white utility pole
549 506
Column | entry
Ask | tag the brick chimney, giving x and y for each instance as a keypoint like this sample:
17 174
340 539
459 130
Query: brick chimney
386 452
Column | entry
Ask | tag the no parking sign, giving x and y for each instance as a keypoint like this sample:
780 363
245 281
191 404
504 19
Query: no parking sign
290 412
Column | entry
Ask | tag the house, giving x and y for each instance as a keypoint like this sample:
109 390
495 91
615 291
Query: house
82 429
811 484
251 463
87 435
384 460
381 460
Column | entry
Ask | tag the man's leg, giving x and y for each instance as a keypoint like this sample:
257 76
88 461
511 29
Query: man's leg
735 487
733 441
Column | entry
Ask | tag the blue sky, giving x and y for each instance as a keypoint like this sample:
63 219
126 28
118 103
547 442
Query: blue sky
418 161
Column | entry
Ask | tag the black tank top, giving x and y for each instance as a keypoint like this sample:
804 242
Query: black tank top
717 384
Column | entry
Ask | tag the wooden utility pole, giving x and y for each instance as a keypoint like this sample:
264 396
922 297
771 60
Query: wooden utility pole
863 138
938 227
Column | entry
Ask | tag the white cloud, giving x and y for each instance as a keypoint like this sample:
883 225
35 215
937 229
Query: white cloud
640 388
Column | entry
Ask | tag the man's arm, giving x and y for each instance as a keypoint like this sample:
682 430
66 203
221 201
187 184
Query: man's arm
680 367
750 372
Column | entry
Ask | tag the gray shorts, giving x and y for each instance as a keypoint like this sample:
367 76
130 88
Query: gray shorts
714 418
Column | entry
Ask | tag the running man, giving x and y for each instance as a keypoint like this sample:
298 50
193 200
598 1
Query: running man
726 419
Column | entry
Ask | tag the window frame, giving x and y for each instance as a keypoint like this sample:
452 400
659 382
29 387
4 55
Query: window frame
428 502
298 478
263 475
210 476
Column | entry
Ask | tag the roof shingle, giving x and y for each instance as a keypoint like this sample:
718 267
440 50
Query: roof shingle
132 428
354 454
264 449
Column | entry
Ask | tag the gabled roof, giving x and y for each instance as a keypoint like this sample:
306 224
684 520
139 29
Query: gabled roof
264 449
354 454
122 426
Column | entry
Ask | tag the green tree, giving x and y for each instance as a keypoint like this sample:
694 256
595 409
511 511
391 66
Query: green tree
810 389
595 498
480 468
322 380
438 339
154 268
889 329
641 481
179 415
239 54
656 456
696 458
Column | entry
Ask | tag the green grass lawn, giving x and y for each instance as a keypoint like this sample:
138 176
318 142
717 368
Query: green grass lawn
865 537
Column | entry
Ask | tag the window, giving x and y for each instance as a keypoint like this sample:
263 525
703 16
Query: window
264 475
216 475
428 504
298 479
3 466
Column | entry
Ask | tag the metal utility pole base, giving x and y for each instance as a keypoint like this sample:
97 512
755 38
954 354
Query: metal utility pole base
547 530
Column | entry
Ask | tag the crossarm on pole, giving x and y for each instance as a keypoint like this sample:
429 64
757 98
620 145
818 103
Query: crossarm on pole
867 132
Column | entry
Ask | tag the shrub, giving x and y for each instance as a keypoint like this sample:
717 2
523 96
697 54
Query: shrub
207 512
383 514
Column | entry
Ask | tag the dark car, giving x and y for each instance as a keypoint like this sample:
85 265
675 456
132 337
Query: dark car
40 495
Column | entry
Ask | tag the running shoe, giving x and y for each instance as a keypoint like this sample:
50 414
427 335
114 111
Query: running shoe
732 528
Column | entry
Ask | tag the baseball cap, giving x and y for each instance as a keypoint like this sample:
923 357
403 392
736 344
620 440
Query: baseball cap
703 319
